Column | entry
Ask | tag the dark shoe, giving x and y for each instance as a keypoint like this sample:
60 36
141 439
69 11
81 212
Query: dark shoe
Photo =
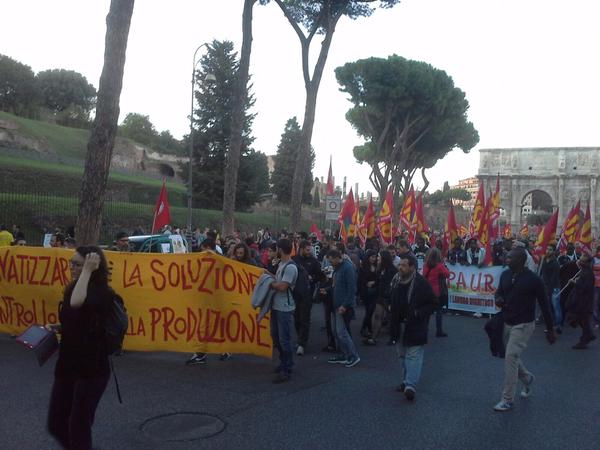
441 334
401 387
391 342
558 330
410 394
369 341
277 369
593 338
281 378
328 349
225 356
579 346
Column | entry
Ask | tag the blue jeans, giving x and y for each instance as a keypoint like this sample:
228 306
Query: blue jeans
412 362
343 341
282 324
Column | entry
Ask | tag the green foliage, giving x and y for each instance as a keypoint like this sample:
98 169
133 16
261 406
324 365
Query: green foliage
310 13
17 88
138 128
285 164
443 197
67 94
212 124
409 113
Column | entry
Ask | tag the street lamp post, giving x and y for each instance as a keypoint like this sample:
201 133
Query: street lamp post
209 77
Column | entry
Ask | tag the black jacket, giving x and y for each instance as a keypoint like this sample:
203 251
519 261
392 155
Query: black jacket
312 266
519 292
550 273
415 315
581 299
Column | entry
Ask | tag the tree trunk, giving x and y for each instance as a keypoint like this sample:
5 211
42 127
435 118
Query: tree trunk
312 89
232 161
104 129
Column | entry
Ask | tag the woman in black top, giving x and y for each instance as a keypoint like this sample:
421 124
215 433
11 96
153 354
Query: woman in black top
82 369
367 288
384 286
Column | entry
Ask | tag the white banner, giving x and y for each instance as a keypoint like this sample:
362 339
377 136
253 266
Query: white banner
472 289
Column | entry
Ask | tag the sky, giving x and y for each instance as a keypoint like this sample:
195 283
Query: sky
530 68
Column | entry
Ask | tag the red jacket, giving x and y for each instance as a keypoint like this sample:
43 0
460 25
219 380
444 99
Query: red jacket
433 275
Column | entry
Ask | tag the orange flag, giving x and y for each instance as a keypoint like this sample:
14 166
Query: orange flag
485 237
419 226
546 236
384 221
569 229
585 234
495 210
462 231
408 210
354 227
367 227
524 231
478 210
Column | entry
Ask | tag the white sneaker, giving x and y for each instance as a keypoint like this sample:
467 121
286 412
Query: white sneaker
477 314
300 351
503 406
526 392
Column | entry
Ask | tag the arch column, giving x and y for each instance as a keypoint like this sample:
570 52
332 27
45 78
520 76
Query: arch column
515 212
593 181
561 199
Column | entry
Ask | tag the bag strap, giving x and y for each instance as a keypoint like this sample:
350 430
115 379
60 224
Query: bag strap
112 368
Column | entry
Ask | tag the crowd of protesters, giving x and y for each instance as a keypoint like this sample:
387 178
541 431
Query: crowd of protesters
399 287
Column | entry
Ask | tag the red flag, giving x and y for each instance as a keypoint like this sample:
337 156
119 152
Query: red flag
546 236
162 216
315 229
384 221
585 235
450 230
330 187
524 231
345 216
507 233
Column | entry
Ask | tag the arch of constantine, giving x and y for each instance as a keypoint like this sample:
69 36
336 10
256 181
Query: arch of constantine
560 175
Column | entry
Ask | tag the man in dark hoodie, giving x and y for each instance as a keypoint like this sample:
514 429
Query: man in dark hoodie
312 266
517 292
415 302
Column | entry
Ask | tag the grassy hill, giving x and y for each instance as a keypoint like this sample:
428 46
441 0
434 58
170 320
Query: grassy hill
41 195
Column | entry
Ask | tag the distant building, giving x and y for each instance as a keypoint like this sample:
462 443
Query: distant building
471 185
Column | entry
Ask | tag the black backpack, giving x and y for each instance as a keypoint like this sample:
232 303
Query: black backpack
114 323
301 291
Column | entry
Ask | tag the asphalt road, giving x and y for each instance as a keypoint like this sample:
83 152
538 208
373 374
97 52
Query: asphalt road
327 406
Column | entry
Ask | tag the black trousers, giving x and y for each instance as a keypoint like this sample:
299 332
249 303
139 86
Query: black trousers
302 320
72 409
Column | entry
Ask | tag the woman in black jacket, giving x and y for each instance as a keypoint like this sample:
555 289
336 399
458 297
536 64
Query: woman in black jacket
384 283
367 288
82 369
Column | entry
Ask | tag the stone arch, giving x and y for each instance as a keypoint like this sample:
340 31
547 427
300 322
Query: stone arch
166 170
536 202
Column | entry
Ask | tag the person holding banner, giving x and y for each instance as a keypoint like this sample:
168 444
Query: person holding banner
82 370
518 290
414 302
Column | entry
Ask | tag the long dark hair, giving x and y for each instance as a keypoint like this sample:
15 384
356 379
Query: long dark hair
387 263
433 257
366 264
99 277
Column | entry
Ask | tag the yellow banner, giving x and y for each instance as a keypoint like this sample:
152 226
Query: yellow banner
195 302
